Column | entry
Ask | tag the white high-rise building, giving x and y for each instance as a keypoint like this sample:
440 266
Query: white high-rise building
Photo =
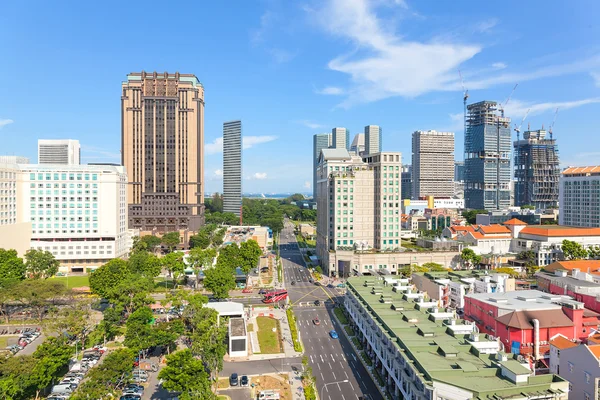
77 212
340 138
579 197
320 141
64 152
432 164
373 139
232 167
15 231
358 144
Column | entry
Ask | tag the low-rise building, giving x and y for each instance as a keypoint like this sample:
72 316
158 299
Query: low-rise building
238 338
422 352
526 320
580 365
238 234
559 343
307 230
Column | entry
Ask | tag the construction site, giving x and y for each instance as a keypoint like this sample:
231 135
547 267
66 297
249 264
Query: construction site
537 170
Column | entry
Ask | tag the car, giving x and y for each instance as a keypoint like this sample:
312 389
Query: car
316 321
263 291
317 284
333 334
310 280
129 396
234 380
293 282
317 302
134 389
330 286
341 286
244 381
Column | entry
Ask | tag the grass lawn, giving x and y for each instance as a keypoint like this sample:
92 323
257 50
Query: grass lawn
267 339
223 397
250 328
311 243
73 281
223 383
3 342
340 315
349 330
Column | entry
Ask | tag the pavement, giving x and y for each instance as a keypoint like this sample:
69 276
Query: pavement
338 372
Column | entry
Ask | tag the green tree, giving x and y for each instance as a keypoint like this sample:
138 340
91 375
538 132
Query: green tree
201 240
469 257
16 379
138 329
52 358
152 242
528 256
138 245
173 262
507 270
573 250
106 278
471 215
249 254
73 319
171 240
12 268
594 252
186 374
132 293
435 267
39 295
103 379
144 264
40 264
199 259
230 256
219 280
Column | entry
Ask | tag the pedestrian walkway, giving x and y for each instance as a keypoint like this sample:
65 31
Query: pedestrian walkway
254 341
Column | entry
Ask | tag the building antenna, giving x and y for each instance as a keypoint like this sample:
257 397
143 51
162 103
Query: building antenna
518 128
553 122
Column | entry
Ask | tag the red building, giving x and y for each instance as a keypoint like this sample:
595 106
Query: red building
526 320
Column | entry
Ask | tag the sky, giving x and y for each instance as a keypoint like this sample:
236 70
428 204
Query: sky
291 69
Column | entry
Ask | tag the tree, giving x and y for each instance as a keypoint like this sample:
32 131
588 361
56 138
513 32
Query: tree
594 252
152 242
186 374
230 256
73 320
16 381
471 215
199 259
132 292
528 207
434 267
573 250
40 264
104 378
470 258
144 264
219 280
173 262
138 330
52 357
104 280
39 294
171 240
249 253
12 268
507 270
200 240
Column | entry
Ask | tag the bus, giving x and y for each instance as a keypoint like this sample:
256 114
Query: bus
275 296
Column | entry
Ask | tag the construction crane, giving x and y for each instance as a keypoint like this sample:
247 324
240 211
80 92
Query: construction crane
507 100
553 122
518 128
465 97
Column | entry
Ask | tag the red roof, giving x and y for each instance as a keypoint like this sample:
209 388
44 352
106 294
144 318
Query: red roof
558 231
562 342
490 229
595 349
459 228
581 170
514 221
547 319
582 265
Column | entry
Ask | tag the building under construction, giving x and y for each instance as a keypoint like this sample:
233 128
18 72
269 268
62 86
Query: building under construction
537 170
487 157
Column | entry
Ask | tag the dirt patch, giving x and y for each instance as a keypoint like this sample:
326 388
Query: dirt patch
223 383
280 383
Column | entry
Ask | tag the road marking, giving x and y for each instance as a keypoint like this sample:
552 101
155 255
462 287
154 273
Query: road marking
351 385
333 373
344 357
353 356
332 359
311 360
322 376
345 373
320 355
319 366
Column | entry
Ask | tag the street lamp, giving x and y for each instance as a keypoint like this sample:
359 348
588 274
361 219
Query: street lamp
331 383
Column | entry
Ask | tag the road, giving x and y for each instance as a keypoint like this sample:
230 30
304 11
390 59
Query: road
332 360
260 367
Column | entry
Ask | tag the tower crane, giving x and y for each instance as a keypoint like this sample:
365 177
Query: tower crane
553 122
465 97
518 128
507 100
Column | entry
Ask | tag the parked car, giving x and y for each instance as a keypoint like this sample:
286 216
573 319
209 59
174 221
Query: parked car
148 366
330 286
130 396
317 284
263 291
233 380
333 334
317 302
341 286
133 389
316 321
244 381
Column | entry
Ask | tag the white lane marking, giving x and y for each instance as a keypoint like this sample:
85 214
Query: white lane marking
322 376
319 366
311 360
343 398
320 355
333 373
351 385
353 356
332 359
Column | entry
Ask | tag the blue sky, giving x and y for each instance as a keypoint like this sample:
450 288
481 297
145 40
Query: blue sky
290 69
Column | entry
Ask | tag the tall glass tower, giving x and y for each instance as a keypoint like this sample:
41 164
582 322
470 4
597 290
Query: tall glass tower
232 167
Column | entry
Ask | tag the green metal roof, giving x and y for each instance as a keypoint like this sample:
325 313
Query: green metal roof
442 357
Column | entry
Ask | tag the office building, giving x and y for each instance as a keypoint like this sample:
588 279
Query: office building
163 151
64 152
15 230
373 139
13 160
537 170
459 171
579 197
358 144
232 167
432 164
340 138
320 141
406 182
77 212
487 157
421 351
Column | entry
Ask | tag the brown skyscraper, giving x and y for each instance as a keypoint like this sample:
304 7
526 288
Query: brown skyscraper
162 134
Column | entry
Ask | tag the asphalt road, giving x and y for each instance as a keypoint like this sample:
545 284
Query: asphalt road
260 367
332 360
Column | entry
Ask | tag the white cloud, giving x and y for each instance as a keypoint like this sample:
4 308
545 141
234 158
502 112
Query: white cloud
307 184
487 25
596 77
331 90
247 142
401 3
499 65
310 124
4 122
218 172
259 175
517 108
266 20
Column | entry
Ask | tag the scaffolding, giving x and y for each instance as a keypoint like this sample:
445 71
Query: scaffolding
537 170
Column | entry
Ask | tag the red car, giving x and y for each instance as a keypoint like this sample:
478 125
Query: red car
316 321
247 290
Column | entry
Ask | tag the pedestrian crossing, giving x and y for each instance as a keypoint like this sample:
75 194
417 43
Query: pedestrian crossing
327 358
309 304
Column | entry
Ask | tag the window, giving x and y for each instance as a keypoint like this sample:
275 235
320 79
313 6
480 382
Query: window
570 368
587 378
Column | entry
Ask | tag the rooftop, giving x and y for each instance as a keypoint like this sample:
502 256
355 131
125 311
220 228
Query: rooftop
514 221
581 170
558 231
490 229
237 327
227 308
577 285
441 355
561 342
521 300
595 350
582 265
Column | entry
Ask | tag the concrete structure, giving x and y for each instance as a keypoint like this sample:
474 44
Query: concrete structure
373 139
525 320
423 352
419 206
432 164
77 212
307 230
536 170
58 151
487 157
358 144
162 149
15 229
13 160
459 171
580 366
320 141
557 344
340 138
579 198
228 309
232 167
530 217
238 338
406 182
263 235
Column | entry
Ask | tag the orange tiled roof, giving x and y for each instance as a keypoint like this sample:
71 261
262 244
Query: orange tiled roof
594 339
560 231
562 342
488 229
457 228
514 221
581 170
595 349
582 265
